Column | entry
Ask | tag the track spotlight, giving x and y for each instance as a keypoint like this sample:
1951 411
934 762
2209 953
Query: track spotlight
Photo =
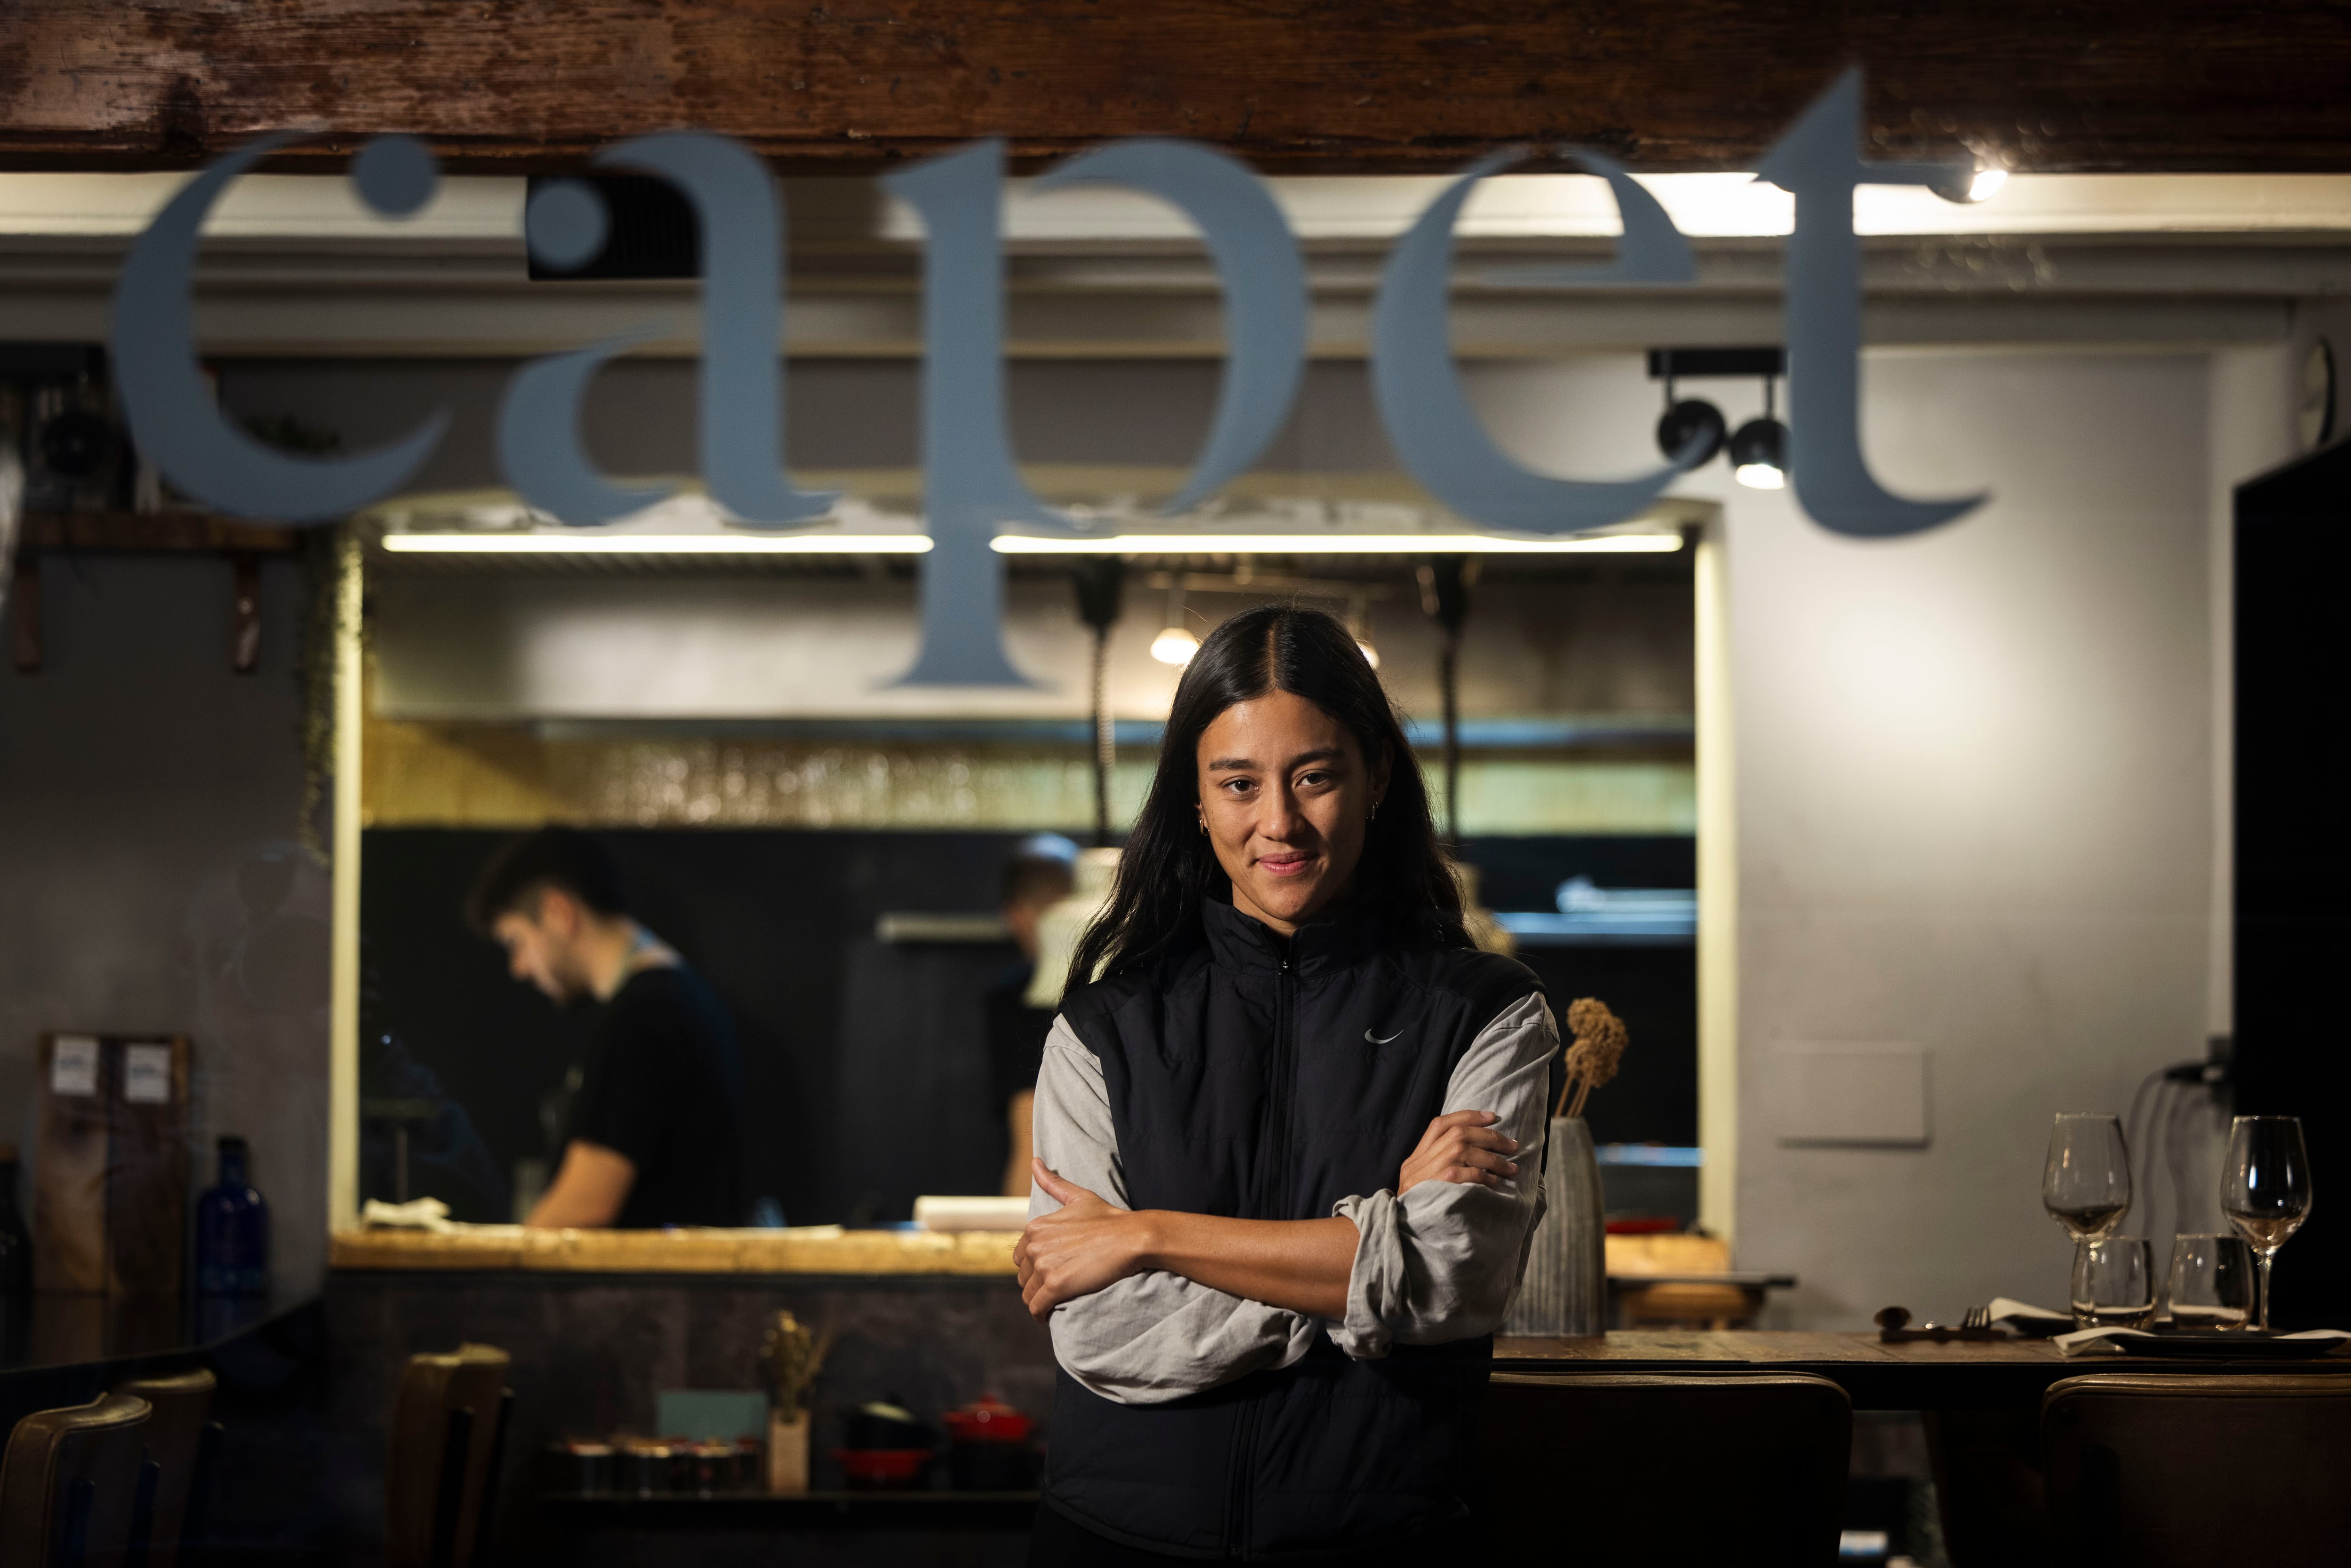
1759 449
1690 431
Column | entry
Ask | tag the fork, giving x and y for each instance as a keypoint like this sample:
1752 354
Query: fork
1975 1318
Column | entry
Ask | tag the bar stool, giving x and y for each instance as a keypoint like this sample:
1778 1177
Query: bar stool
183 1441
1664 1471
72 1481
2154 1469
448 1440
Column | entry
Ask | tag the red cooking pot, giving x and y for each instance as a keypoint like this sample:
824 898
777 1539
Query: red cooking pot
987 1420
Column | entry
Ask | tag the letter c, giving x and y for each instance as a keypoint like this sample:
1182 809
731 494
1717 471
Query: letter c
171 414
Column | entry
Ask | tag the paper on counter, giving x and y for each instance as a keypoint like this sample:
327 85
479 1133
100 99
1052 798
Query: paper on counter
971 1213
417 1214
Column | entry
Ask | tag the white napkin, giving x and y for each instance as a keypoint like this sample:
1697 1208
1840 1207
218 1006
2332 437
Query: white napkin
416 1214
2082 1340
2004 1309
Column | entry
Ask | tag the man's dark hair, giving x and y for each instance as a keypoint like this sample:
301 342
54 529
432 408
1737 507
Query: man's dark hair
562 858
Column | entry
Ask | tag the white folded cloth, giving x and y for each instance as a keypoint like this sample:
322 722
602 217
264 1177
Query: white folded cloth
971 1213
2007 1309
416 1214
2084 1340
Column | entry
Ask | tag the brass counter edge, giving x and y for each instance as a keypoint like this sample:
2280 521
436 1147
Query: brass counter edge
825 1251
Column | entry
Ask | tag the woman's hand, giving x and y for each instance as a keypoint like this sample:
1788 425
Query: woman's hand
1460 1147
1078 1248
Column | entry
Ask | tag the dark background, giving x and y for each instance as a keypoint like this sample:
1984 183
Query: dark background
866 1075
2294 847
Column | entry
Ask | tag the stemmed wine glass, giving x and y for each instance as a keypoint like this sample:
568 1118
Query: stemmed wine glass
2087 1184
2266 1189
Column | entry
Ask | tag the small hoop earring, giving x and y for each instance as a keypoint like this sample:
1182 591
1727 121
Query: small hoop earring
1202 825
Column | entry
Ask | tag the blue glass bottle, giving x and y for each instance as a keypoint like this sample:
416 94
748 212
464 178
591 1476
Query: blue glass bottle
232 1231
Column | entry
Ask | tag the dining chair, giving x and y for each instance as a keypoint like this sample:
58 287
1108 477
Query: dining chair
183 1441
448 1441
70 1482
2153 1469
1664 1471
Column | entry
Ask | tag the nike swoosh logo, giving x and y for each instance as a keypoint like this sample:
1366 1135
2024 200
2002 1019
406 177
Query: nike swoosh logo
1375 1040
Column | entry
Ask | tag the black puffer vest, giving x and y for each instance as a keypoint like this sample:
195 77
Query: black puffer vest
1266 1082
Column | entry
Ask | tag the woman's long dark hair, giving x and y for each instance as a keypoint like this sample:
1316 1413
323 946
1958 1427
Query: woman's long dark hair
1169 865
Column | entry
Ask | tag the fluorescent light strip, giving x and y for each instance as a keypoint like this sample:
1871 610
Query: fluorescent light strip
1023 544
1336 544
656 543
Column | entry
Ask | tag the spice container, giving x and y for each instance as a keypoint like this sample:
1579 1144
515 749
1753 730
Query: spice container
644 1468
581 1469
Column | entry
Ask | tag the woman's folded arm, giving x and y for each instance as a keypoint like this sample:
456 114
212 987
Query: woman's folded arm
1152 1336
1439 1262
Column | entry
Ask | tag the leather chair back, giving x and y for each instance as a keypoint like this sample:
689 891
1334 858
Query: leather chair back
447 1432
70 1482
2154 1469
1664 1471
178 1441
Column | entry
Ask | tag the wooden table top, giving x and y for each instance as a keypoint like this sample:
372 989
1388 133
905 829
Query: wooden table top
1919 1375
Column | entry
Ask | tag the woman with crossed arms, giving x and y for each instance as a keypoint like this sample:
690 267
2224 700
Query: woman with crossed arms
1288 1141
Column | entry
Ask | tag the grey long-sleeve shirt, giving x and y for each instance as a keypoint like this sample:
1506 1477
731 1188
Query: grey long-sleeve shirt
1438 1264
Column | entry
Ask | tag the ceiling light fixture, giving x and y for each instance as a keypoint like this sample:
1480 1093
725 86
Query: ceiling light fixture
1986 184
1332 544
1759 449
591 543
1175 644
1690 431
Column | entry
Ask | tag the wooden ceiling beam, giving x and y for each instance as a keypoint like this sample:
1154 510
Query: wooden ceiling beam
1291 85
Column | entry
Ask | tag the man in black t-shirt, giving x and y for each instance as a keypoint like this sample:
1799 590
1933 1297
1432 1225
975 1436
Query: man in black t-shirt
653 1137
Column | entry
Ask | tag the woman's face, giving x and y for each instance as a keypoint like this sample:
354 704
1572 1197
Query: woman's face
1286 796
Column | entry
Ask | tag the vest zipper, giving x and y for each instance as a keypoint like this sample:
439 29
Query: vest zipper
1273 1187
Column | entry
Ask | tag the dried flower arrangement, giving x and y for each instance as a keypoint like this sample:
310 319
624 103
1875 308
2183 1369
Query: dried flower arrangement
791 1354
1597 1048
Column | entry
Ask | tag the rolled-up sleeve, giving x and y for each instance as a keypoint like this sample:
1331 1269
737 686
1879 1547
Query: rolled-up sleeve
1153 1336
1440 1263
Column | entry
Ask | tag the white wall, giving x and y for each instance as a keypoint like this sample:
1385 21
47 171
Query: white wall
1976 779
1975 811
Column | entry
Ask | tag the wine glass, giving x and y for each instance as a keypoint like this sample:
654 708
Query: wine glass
2087 1184
2266 1189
